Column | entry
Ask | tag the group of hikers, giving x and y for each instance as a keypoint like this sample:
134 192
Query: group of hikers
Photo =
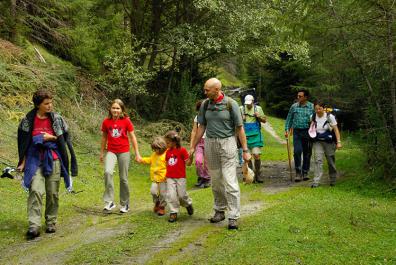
221 128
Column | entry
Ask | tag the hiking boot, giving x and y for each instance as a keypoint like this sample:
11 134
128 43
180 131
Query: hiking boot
314 185
32 233
232 224
172 218
124 209
298 177
218 217
332 184
161 211
51 228
109 206
156 206
305 177
190 209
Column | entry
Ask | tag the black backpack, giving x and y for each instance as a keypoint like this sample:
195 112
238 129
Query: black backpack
328 136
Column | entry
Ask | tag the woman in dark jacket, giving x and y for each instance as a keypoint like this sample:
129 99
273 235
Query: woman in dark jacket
42 140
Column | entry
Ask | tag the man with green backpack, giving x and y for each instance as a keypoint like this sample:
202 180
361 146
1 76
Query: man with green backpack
253 116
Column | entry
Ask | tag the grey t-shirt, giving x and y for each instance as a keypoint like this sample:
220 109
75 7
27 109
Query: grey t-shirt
220 118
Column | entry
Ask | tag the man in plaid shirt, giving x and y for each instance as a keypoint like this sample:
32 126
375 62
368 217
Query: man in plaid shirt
298 119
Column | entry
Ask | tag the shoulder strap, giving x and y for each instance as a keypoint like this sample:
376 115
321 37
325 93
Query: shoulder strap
206 104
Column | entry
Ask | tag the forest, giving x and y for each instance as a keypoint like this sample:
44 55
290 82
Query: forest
157 54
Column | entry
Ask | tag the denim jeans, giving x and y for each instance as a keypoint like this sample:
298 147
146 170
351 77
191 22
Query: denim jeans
302 150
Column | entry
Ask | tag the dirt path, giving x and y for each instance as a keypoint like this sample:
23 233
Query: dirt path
56 248
267 126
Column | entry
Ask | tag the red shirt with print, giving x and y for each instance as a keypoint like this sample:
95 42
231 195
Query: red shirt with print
41 126
176 162
117 134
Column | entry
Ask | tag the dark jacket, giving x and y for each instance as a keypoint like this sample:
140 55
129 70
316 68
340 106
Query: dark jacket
61 131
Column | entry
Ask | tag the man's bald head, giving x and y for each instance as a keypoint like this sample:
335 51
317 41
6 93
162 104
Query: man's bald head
212 88
213 82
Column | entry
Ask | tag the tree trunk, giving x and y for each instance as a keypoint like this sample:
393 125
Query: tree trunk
155 29
172 72
391 60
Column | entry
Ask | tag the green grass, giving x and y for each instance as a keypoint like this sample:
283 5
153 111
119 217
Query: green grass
352 223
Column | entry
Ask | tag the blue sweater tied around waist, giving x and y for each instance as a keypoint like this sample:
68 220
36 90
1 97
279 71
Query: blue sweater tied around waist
33 162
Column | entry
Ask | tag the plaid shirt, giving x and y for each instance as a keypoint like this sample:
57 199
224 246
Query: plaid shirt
299 116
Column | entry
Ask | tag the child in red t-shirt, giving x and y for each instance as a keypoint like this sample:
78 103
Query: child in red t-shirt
176 159
117 133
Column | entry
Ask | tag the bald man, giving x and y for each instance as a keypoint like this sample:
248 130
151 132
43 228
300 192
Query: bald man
219 115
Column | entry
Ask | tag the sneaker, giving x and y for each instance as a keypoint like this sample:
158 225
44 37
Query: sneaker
314 185
109 206
51 228
172 218
124 209
32 233
161 211
232 224
190 209
218 217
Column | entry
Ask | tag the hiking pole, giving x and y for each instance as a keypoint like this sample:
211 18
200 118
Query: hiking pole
288 156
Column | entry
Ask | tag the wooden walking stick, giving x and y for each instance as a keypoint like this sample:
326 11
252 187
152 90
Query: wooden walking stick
288 156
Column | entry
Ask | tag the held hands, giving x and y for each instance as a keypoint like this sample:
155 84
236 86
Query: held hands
138 158
189 161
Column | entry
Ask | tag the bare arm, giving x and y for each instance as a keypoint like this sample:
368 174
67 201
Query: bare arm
338 136
135 147
193 133
200 132
242 138
103 144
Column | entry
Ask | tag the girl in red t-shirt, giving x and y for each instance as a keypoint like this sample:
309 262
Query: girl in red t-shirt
176 159
117 133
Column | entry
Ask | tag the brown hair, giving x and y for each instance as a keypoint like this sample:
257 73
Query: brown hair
39 96
123 109
159 144
198 104
174 137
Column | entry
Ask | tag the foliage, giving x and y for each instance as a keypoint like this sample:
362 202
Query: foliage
123 76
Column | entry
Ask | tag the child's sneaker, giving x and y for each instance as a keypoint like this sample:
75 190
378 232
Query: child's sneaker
172 218
156 206
124 209
161 211
190 209
109 206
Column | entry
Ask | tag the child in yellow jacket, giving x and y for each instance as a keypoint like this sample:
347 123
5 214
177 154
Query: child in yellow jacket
157 174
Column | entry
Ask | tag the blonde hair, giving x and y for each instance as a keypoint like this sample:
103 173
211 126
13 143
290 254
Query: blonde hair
159 144
123 109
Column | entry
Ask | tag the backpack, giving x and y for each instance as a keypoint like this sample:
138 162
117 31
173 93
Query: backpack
329 135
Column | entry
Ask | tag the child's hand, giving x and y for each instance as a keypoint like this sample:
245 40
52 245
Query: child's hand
189 161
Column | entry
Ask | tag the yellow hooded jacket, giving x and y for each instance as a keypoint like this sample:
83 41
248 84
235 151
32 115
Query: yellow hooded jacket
157 166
